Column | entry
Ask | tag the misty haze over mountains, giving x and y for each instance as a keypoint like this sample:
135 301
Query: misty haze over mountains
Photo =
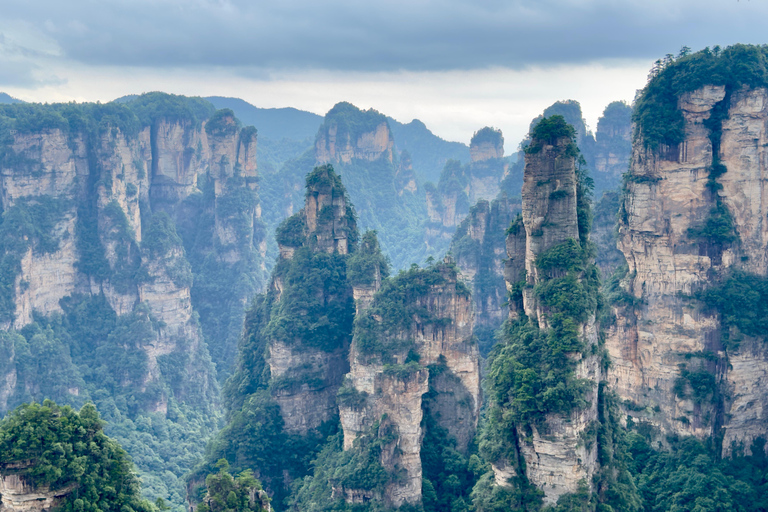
399 257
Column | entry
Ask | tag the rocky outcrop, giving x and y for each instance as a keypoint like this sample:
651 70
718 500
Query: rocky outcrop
479 248
556 457
305 377
385 387
665 335
613 147
341 139
93 190
18 495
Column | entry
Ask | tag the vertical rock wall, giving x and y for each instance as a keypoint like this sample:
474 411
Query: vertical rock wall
667 332
391 384
110 183
556 458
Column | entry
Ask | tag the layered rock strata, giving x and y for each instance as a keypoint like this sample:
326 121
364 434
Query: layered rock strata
101 189
556 458
305 377
666 334
389 384
479 248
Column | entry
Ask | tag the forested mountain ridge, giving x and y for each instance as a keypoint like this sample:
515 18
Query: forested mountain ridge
358 388
130 243
688 350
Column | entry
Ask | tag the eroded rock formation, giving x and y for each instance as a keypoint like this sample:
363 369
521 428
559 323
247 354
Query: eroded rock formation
430 345
665 337
555 457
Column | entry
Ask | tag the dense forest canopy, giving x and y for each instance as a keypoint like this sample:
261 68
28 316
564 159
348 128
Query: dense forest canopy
656 113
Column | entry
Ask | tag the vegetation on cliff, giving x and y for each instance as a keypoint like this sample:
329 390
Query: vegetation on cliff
658 118
225 493
66 450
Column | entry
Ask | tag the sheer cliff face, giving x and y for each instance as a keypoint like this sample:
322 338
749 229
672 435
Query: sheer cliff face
549 209
668 335
479 247
341 146
108 186
17 495
305 377
556 458
390 381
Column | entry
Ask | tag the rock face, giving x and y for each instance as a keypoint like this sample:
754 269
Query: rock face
95 193
479 247
613 147
556 458
388 385
16 495
341 142
305 377
461 186
667 335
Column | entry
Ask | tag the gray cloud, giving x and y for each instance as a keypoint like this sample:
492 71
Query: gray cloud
19 67
384 36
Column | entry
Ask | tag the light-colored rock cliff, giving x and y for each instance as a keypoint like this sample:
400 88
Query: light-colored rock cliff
391 390
556 457
117 181
667 332
305 378
17 495
335 145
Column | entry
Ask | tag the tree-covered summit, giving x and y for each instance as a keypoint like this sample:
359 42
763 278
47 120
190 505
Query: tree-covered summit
59 448
657 116
348 119
487 135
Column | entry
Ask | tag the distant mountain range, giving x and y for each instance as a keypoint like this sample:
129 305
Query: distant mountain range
5 98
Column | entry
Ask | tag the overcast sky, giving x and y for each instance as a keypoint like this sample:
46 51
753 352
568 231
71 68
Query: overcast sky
457 65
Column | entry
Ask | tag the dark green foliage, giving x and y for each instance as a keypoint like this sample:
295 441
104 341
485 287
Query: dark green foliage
29 223
529 377
126 269
691 476
292 232
530 373
357 469
69 450
742 301
488 287
224 493
548 131
384 329
220 288
366 261
254 439
71 118
349 120
656 114
488 134
700 385
160 237
615 487
100 356
316 308
448 475
223 123
489 497
616 117
154 106
718 228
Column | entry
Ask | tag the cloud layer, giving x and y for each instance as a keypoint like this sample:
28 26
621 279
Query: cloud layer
350 35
